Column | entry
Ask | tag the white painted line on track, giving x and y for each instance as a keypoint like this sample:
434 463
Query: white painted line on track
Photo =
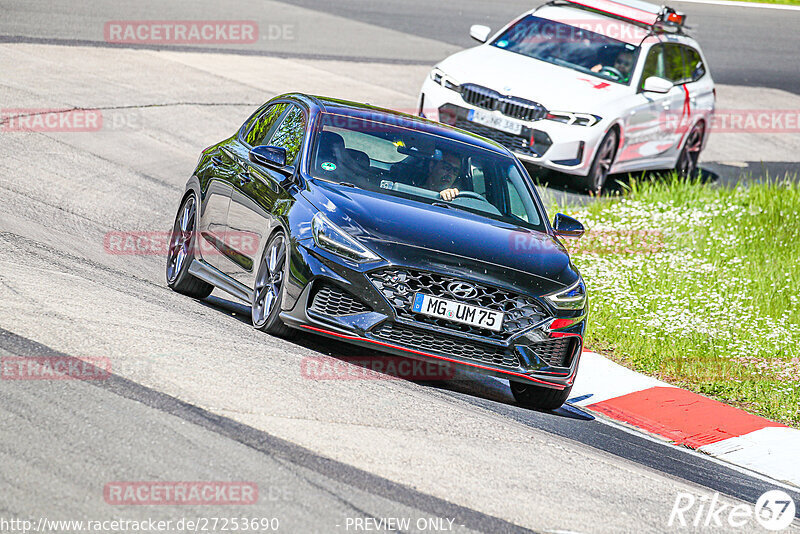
741 4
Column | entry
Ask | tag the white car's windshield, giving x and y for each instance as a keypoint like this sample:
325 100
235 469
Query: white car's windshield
400 160
571 47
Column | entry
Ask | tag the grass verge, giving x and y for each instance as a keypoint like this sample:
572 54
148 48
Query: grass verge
698 285
781 2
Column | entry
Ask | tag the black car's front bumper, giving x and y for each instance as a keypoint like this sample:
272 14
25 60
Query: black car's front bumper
349 303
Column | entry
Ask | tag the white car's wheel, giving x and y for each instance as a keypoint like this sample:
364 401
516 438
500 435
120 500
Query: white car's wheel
690 155
598 173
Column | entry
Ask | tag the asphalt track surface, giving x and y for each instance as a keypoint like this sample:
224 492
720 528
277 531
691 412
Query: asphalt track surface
748 47
195 393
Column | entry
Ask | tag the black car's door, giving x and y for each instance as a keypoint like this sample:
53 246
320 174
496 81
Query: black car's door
213 220
226 172
255 195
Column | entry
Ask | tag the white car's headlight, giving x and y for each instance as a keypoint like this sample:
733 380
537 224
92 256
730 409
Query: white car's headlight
571 298
438 76
333 239
577 119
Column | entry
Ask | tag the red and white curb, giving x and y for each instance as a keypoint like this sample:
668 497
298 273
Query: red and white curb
687 419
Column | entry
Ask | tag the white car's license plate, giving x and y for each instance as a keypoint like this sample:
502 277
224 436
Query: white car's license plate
493 120
458 312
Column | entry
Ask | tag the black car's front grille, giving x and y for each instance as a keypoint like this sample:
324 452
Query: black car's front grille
486 98
399 286
330 300
418 339
515 143
555 352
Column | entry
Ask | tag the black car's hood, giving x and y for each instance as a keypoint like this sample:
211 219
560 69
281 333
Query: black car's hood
412 233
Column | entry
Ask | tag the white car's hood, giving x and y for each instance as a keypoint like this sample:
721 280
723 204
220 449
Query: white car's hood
556 88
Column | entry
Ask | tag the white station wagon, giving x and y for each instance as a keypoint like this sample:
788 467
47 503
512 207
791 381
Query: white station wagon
587 88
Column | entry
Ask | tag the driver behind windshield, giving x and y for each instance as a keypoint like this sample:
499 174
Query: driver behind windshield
623 65
442 175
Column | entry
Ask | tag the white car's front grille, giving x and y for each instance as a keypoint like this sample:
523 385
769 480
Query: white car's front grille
486 98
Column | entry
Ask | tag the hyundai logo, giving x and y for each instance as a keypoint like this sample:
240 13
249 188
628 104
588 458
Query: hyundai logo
462 290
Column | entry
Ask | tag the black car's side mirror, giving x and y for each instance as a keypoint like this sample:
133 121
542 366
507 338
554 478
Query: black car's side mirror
567 226
269 156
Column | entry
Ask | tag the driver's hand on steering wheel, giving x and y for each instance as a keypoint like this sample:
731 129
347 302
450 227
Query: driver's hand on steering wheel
449 194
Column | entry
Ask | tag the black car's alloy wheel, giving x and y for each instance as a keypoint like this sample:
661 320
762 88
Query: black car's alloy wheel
181 253
266 305
690 155
538 397
598 173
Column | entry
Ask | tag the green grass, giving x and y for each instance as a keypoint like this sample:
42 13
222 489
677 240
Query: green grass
698 285
783 2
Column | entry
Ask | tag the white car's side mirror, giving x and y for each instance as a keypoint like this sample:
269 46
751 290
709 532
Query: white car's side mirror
479 32
654 84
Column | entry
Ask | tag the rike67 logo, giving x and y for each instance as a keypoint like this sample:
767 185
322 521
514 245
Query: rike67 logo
774 511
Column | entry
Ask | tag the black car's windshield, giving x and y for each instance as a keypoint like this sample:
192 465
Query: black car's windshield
400 160
572 47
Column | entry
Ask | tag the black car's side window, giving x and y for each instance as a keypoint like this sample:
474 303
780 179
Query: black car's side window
289 134
264 124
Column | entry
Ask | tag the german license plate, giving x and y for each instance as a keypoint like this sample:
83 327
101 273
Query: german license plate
458 312
494 120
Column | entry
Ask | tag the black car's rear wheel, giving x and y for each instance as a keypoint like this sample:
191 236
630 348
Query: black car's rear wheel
268 291
690 155
181 253
538 397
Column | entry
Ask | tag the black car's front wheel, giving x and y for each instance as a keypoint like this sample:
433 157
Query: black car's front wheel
268 291
538 397
181 253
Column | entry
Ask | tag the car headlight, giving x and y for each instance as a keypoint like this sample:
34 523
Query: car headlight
572 298
438 76
333 239
576 119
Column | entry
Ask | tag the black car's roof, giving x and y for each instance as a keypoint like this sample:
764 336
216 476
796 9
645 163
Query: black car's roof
367 111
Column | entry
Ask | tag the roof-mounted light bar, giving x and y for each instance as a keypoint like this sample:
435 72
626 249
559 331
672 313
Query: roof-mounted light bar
670 20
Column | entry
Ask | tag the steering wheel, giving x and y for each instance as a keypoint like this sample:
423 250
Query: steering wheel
611 71
470 194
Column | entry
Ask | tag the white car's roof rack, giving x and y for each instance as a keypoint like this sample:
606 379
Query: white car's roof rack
653 17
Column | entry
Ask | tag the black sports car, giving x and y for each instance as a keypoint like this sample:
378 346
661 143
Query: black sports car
390 231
